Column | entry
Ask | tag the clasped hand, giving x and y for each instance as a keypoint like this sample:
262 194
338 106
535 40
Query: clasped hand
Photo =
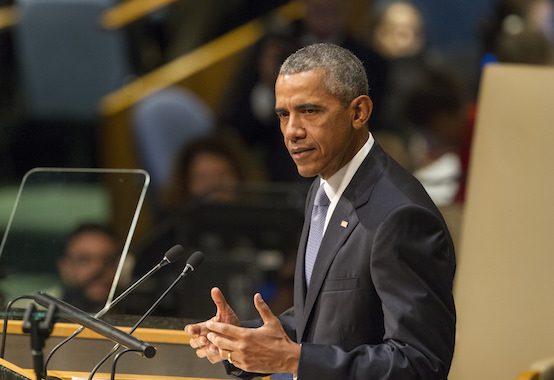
266 349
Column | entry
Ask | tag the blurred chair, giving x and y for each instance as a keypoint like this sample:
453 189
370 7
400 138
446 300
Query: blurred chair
67 60
165 122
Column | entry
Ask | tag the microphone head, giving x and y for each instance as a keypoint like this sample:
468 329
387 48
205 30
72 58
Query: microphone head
195 259
175 253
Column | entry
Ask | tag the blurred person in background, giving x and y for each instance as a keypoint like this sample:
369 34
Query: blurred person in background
207 169
398 30
437 110
88 265
519 31
397 33
527 47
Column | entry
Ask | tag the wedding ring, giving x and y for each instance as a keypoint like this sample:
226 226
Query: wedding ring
229 359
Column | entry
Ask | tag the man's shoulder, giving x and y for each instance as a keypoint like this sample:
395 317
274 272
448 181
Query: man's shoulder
390 185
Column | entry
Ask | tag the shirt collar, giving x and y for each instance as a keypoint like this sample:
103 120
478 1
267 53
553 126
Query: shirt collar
337 183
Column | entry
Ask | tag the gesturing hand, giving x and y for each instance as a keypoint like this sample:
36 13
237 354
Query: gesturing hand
266 349
199 331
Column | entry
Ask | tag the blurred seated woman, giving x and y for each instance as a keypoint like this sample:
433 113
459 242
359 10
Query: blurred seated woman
207 171
209 168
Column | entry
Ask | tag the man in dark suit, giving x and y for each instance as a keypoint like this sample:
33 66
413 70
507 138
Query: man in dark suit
373 295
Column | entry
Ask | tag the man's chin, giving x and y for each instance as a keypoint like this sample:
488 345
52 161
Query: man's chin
306 172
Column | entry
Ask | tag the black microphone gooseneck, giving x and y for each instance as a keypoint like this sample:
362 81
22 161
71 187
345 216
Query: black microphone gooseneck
192 263
97 325
172 255
5 326
114 364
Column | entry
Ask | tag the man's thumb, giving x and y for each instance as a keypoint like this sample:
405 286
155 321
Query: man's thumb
264 310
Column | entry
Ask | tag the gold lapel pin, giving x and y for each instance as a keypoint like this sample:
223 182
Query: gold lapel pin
344 224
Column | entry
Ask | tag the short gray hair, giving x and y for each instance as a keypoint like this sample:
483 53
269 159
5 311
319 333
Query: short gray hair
346 77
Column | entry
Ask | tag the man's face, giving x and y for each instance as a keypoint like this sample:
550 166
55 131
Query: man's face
90 264
321 134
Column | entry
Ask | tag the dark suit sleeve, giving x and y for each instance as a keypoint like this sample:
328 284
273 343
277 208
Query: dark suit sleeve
287 320
412 267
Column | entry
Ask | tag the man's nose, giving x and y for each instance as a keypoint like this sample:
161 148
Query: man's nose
295 129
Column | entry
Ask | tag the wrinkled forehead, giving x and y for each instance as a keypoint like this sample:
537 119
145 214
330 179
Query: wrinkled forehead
317 82
306 83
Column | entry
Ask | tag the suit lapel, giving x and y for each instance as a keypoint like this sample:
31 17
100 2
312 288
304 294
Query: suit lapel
299 280
334 238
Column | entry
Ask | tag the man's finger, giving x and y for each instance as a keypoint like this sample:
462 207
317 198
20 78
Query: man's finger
226 329
222 342
199 341
202 353
213 354
196 329
264 310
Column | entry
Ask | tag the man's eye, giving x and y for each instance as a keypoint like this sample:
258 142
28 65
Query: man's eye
282 115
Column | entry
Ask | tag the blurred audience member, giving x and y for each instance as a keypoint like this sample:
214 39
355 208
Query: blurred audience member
207 169
397 33
207 172
519 31
88 265
437 108
398 30
528 47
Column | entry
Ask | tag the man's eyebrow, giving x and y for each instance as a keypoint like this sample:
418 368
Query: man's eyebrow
300 107
305 106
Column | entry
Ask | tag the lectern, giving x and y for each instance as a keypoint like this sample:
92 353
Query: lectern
175 359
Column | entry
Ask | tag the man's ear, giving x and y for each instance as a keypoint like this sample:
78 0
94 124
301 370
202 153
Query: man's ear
361 107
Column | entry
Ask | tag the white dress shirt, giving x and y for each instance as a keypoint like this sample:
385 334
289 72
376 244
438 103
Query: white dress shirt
337 183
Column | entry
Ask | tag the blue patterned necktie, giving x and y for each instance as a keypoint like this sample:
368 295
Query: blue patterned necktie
319 212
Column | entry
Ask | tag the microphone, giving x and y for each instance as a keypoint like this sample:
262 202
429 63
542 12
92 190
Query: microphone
173 254
194 260
105 329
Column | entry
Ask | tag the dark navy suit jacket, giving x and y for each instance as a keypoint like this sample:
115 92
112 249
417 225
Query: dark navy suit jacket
380 303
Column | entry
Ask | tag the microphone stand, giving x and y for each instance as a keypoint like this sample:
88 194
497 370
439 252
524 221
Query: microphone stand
138 323
40 328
